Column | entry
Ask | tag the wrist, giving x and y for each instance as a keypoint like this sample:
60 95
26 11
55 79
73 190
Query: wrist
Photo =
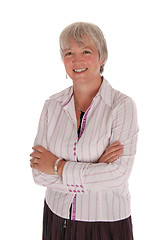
60 166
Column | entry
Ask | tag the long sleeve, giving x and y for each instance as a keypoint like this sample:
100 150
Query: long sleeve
81 177
41 139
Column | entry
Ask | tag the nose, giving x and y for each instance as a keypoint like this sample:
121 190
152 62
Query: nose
77 58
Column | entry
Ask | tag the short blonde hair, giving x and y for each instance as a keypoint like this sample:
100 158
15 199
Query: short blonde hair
78 31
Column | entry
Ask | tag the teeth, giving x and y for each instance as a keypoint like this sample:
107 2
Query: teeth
80 70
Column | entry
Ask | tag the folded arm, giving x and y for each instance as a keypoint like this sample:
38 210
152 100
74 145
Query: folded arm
81 177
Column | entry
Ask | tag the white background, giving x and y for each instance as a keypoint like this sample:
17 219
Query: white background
31 70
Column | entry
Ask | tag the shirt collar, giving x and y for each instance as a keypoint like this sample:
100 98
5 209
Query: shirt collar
105 92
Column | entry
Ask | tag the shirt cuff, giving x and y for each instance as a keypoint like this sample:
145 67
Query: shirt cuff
71 177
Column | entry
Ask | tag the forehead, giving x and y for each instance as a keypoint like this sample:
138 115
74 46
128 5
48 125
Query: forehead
81 43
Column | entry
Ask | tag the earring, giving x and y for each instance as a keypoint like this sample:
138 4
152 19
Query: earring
66 76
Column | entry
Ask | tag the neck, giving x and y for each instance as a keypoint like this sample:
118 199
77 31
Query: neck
84 94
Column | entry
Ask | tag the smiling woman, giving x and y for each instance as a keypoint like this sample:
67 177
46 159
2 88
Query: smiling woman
86 144
80 32
83 63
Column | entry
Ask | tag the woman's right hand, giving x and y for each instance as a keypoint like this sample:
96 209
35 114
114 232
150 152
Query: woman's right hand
112 153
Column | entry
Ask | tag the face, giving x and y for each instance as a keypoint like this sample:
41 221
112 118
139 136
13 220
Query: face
82 62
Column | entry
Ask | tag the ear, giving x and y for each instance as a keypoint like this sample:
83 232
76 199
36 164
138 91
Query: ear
102 61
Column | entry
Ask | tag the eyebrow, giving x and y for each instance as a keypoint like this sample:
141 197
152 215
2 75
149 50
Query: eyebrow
87 47
83 47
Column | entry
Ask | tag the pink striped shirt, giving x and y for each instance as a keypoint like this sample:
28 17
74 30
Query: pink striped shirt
97 191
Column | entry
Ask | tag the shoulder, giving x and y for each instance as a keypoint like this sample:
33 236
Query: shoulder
60 97
120 98
116 99
123 103
113 97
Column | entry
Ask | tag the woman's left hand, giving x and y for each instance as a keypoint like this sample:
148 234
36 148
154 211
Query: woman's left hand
43 160
112 153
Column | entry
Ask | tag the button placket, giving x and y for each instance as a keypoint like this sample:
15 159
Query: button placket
75 151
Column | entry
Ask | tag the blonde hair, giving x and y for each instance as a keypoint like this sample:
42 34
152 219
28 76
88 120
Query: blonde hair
78 31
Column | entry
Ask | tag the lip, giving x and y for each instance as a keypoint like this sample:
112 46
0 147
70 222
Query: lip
80 70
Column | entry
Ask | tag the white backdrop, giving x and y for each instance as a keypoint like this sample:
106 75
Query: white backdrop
31 70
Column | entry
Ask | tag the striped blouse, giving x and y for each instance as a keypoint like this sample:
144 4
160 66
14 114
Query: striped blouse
96 191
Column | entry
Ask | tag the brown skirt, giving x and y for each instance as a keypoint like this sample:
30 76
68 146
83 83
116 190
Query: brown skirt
57 228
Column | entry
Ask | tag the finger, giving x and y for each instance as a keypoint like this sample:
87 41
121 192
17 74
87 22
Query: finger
115 143
35 154
111 149
39 148
111 160
115 146
32 165
107 157
112 154
34 161
35 166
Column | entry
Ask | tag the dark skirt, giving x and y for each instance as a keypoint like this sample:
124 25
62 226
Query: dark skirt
57 228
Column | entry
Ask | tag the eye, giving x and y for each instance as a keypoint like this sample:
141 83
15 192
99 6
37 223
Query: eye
68 53
86 52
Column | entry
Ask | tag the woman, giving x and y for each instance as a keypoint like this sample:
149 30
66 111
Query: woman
85 146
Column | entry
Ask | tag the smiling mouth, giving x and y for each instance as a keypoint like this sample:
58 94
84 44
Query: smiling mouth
80 70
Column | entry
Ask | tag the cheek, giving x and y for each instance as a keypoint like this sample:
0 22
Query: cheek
67 64
93 61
